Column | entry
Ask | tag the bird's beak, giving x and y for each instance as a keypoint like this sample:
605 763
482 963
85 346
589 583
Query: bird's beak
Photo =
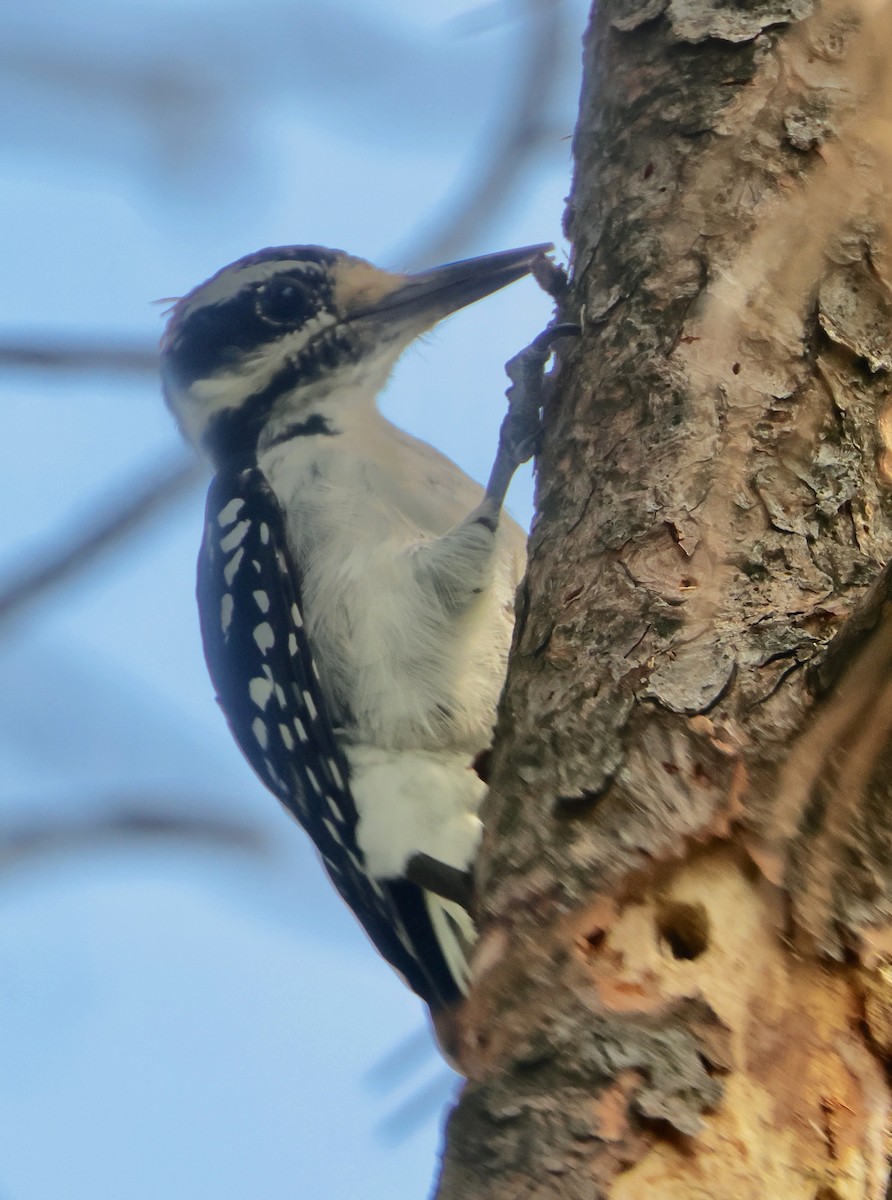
428 296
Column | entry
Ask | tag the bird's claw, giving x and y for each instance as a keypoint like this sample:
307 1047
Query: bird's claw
521 429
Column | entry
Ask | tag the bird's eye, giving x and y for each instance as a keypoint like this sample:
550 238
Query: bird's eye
285 301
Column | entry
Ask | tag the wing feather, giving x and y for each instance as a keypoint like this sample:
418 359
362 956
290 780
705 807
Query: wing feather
261 664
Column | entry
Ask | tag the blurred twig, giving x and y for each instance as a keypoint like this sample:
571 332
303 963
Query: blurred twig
393 1071
491 179
114 517
395 1066
145 818
55 355
424 1103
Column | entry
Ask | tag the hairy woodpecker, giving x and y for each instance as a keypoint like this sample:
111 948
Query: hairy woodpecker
355 587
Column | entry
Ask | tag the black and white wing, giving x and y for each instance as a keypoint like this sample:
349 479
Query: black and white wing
261 664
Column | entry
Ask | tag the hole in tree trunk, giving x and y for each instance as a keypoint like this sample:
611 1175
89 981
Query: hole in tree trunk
684 928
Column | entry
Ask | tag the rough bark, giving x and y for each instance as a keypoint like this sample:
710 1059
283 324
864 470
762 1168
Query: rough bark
684 980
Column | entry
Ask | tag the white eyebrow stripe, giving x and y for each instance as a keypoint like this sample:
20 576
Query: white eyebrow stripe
227 284
254 371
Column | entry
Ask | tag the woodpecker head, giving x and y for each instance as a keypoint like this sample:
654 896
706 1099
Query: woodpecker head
284 328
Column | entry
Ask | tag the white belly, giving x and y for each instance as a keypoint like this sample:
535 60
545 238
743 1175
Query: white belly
399 669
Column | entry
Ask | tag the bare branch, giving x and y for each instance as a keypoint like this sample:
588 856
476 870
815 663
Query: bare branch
420 1106
115 516
492 176
392 1073
136 819
55 354
399 1063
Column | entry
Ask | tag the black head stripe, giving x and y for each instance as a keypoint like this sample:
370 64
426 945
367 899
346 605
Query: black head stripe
315 425
261 663
216 337
232 433
320 255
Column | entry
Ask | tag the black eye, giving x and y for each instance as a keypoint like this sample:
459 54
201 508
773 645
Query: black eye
284 301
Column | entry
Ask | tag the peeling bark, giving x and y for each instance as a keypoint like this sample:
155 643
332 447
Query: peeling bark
684 981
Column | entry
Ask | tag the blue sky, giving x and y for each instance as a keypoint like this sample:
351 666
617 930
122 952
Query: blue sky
180 1019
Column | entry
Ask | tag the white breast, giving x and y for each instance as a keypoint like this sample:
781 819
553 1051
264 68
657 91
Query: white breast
398 669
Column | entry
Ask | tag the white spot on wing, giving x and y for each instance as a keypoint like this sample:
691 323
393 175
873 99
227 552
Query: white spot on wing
454 931
264 637
333 805
299 729
296 617
336 773
233 565
292 645
274 774
228 514
235 537
262 601
260 690
227 604
259 730
333 830
314 782
404 938
264 533
286 737
311 707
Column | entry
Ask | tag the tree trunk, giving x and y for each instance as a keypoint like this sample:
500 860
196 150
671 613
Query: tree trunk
684 980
